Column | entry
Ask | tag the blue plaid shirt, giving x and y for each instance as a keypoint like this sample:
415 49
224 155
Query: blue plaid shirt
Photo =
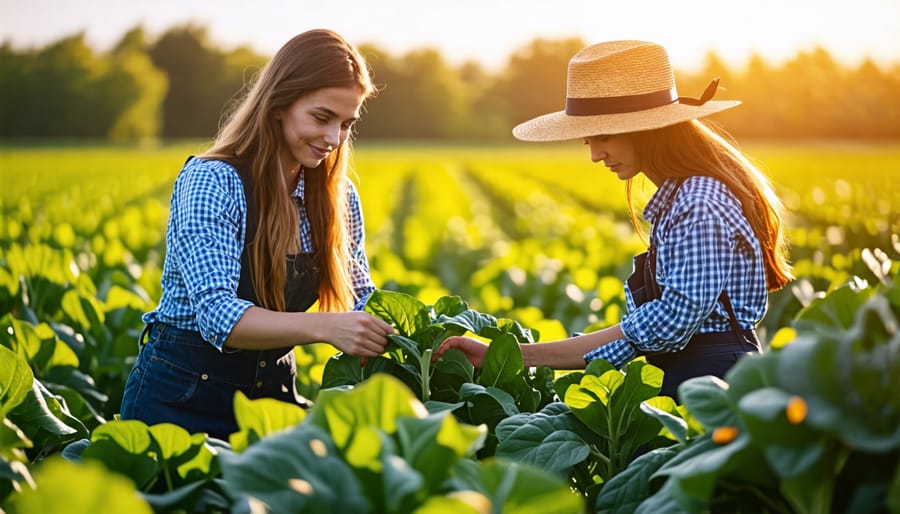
205 239
704 246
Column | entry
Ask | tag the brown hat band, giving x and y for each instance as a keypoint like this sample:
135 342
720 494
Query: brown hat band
619 104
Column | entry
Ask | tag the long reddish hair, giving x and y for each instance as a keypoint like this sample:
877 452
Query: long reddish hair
313 60
696 148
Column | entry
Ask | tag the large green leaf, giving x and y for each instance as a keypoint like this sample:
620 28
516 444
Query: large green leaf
562 383
835 311
752 372
46 420
524 335
642 382
344 369
469 320
811 489
125 447
433 444
16 380
298 470
400 483
67 488
589 400
516 488
624 492
697 468
823 379
38 343
260 417
83 310
449 374
407 314
462 502
503 363
408 345
540 443
707 399
487 405
665 411
671 500
180 499
377 403
449 306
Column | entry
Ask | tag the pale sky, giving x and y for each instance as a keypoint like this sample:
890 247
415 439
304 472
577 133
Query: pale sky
488 30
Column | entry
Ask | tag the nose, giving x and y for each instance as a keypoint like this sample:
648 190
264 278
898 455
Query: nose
598 151
333 134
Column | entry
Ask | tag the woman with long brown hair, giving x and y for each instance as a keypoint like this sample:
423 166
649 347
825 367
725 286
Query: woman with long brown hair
716 240
262 226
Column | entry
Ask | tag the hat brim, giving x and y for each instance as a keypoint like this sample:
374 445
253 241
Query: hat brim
559 126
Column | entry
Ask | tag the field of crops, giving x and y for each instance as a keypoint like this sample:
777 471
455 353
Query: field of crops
536 239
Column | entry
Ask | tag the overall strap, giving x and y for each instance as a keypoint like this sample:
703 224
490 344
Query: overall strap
301 288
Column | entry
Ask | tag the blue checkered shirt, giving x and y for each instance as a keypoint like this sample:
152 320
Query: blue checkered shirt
704 246
204 242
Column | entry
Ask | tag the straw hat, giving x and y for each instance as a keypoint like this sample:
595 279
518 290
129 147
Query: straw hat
616 87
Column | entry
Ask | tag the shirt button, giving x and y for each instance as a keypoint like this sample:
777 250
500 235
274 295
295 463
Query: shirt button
262 364
204 376
259 383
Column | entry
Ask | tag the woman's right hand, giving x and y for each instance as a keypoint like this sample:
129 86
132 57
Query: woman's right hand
474 349
357 333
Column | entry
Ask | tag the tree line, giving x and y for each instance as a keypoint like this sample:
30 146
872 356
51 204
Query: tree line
179 84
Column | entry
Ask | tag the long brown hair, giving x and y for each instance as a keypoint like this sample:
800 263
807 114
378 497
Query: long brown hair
695 148
312 60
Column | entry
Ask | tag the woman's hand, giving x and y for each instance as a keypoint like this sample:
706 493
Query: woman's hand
474 349
357 333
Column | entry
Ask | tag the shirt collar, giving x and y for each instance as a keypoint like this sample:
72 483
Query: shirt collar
300 190
660 199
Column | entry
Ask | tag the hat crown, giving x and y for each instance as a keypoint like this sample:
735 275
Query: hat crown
619 68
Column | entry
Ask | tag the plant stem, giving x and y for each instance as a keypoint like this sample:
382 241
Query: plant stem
425 366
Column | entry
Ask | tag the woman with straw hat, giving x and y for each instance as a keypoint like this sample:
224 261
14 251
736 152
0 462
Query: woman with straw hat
716 243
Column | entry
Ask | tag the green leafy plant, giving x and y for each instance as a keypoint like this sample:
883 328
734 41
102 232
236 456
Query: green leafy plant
813 427
501 388
599 429
371 448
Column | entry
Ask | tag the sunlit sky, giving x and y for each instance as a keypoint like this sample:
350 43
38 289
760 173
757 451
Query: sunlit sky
488 30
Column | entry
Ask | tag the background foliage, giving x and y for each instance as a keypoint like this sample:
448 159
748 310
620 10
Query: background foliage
176 85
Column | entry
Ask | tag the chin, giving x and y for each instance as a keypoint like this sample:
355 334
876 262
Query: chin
311 163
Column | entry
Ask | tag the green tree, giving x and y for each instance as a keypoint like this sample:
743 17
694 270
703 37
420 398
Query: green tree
534 81
420 97
14 89
62 98
198 88
874 109
139 89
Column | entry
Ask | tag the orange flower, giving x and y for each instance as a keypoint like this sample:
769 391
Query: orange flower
724 435
796 410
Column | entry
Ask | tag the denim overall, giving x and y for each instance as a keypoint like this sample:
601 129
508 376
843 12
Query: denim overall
709 353
180 378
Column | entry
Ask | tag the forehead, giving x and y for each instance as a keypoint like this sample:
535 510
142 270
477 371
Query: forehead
344 102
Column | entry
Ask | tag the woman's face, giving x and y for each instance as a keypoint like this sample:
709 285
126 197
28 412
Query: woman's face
316 124
616 152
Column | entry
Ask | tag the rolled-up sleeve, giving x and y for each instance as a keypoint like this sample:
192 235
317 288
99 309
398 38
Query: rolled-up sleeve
208 214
